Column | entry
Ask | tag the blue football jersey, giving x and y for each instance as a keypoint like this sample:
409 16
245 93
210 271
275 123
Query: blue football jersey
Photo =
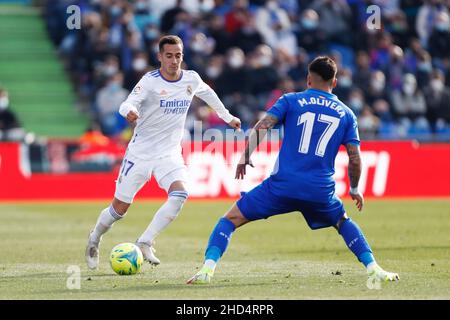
315 124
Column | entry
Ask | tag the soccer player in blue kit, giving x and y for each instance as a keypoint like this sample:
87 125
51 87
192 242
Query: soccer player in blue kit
315 124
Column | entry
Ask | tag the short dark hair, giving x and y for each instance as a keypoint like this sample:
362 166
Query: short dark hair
171 39
324 66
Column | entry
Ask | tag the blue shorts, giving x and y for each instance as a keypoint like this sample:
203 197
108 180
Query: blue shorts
262 203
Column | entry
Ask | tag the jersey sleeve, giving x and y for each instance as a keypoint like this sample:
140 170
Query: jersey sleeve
208 95
280 109
136 97
351 134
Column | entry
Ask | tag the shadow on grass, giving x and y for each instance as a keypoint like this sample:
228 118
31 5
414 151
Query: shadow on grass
54 275
376 249
157 287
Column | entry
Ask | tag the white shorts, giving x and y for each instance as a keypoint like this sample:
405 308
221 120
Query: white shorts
134 173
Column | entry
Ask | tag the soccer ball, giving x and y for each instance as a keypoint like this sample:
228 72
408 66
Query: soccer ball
126 259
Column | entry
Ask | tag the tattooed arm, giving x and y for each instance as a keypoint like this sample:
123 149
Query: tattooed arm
354 164
257 135
354 173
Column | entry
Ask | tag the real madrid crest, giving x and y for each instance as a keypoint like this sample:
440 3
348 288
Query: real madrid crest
189 90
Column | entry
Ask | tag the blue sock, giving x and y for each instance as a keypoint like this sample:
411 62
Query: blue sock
356 242
219 239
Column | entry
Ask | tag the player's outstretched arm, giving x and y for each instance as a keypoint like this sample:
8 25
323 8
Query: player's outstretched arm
208 95
354 173
257 135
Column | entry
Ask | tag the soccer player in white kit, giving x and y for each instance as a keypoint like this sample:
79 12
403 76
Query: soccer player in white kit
157 106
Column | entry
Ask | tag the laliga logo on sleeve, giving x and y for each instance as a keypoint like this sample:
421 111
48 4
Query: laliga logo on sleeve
137 89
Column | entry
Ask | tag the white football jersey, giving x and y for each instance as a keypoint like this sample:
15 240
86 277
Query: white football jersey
162 106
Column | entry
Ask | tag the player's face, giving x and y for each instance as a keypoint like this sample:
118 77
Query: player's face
171 57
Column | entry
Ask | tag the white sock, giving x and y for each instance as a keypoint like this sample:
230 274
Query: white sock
104 222
372 266
164 216
211 264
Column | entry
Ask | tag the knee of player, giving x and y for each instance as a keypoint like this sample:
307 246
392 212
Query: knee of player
235 216
120 207
178 197
341 221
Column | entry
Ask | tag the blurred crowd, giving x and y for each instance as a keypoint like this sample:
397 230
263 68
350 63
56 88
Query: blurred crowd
395 77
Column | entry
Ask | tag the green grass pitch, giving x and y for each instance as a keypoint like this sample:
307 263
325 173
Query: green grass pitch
279 258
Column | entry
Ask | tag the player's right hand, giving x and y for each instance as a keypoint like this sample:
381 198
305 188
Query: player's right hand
235 123
132 116
358 197
240 170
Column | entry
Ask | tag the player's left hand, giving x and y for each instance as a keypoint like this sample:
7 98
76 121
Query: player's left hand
235 123
240 170
358 197
132 116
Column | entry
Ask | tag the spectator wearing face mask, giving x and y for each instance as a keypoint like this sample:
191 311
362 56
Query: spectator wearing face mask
139 67
437 97
424 69
169 17
344 84
382 110
362 73
133 43
150 34
439 42
368 123
299 70
356 100
142 15
10 129
263 77
234 78
377 87
309 34
198 51
398 27
274 25
108 101
426 18
380 56
213 70
233 84
335 19
409 104
396 69
117 17
412 53
106 70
